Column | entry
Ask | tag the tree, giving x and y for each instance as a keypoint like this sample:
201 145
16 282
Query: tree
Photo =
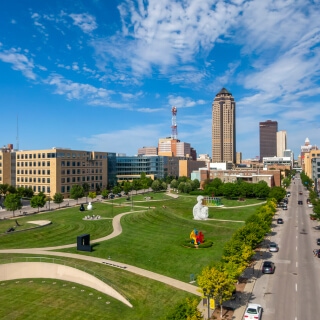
261 190
229 190
126 186
13 202
58 198
116 189
3 189
104 193
155 185
92 195
76 192
277 193
185 310
136 185
195 184
86 188
38 201
174 184
49 199
218 282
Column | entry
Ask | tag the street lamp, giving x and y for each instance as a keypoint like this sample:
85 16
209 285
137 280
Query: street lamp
131 201
208 294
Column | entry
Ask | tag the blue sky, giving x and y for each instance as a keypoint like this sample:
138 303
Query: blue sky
103 74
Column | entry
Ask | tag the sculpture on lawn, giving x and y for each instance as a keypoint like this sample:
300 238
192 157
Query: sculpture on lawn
200 212
89 206
81 207
196 237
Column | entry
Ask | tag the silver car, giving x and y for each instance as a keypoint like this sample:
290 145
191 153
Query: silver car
273 247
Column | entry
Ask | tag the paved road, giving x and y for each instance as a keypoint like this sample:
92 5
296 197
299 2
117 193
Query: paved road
292 291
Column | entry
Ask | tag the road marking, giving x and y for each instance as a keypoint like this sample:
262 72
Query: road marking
296 287
296 248
296 264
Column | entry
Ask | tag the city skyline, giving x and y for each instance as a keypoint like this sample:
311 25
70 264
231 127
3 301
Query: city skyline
97 75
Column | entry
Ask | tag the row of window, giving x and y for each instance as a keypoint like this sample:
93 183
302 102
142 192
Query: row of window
34 164
78 171
78 164
26 179
57 155
44 189
78 179
33 172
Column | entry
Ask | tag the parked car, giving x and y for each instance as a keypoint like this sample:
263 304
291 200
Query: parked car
268 267
273 247
300 193
318 241
300 202
310 205
284 208
288 194
253 311
279 221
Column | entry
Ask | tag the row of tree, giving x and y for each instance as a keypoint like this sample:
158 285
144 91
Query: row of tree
219 279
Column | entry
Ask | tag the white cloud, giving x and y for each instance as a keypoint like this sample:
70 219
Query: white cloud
74 90
19 62
86 22
181 102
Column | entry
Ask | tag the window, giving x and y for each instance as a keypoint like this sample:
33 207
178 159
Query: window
63 189
48 171
43 171
68 179
39 180
43 180
63 180
48 163
62 164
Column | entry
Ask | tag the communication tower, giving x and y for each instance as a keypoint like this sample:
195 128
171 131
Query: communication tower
174 131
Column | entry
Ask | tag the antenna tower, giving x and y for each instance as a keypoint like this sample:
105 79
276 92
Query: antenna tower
174 131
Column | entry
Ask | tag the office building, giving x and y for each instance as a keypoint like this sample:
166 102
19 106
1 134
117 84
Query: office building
268 139
56 170
148 151
224 127
281 143
7 165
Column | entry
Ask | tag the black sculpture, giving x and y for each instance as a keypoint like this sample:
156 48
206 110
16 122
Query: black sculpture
82 207
83 243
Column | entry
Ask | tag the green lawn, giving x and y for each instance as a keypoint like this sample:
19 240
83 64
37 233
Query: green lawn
151 239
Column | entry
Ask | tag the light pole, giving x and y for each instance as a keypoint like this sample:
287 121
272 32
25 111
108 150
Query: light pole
208 294
131 201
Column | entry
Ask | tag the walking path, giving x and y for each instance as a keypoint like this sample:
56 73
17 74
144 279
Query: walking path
239 305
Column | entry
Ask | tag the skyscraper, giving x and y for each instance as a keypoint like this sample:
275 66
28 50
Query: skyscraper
281 143
224 127
268 139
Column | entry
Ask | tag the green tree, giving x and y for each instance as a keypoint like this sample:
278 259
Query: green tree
92 195
229 190
86 188
174 184
218 282
164 185
58 198
185 310
105 193
76 192
13 202
277 193
136 185
126 187
187 187
156 186
3 189
181 186
116 189
261 190
38 201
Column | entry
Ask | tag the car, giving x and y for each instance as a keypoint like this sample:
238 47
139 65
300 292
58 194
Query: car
284 208
288 194
273 247
300 202
300 193
310 205
279 221
268 267
318 241
308 200
253 311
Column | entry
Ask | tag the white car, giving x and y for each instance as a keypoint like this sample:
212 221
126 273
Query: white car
253 312
310 205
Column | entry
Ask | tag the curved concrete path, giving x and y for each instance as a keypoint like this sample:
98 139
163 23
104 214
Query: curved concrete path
27 270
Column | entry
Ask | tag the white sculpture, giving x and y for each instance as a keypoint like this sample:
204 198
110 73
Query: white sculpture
89 206
200 212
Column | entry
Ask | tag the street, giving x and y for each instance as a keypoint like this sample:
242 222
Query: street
292 291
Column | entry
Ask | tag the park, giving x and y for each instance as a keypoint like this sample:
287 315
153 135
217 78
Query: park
154 228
